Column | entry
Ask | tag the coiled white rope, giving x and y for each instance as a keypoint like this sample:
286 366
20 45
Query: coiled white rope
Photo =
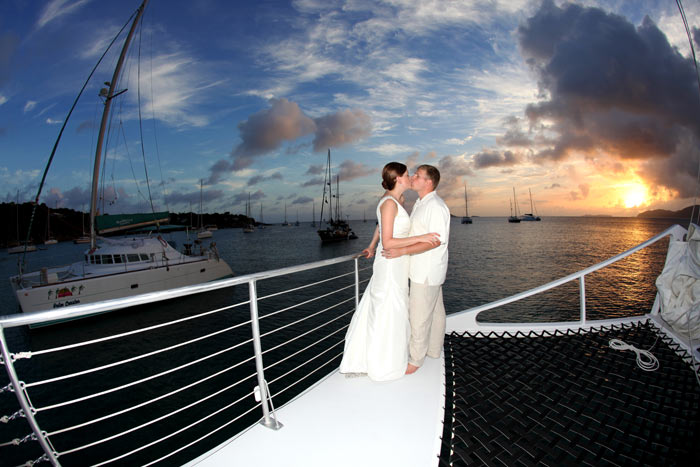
645 359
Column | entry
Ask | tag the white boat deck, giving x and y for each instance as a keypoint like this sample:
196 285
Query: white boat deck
349 422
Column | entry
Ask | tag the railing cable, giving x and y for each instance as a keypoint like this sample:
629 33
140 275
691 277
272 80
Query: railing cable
136 358
137 331
311 300
143 404
306 317
157 419
143 380
304 286
305 334
141 448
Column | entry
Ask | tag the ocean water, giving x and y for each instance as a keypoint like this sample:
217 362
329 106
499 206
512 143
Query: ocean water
489 259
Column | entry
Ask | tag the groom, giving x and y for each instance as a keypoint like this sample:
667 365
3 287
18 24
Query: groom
427 270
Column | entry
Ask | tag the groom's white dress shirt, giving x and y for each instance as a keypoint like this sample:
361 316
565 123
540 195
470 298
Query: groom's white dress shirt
430 214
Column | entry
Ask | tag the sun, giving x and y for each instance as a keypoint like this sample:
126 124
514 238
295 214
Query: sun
635 195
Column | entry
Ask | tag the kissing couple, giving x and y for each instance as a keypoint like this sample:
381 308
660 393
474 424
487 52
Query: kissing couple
394 327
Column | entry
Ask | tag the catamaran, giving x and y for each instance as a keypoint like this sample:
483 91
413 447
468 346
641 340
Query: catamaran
529 216
115 268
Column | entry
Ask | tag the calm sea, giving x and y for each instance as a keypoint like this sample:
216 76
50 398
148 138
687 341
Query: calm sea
489 259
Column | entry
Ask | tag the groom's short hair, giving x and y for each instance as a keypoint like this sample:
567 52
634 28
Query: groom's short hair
433 174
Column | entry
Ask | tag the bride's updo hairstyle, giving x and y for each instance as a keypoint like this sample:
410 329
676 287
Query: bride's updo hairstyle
390 172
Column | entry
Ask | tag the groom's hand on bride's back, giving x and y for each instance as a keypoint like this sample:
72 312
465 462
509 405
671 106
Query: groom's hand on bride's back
390 253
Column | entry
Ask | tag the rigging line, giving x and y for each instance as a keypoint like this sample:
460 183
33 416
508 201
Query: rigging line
679 4
143 149
131 163
155 133
60 133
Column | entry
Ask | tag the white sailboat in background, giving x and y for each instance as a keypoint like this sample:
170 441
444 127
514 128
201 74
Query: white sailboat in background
20 246
250 228
261 225
285 223
529 216
49 239
120 267
203 232
514 217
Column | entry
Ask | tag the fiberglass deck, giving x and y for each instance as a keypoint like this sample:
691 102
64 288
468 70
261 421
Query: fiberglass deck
349 422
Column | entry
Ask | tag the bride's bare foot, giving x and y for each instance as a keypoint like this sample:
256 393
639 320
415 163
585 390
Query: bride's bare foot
410 369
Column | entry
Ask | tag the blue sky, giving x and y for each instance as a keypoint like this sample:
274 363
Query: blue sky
592 106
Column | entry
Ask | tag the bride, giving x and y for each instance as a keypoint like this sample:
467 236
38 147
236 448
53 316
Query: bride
376 343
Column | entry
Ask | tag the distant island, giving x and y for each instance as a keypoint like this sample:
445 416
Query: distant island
684 213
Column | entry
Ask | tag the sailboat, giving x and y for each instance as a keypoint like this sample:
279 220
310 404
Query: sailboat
336 228
530 216
285 223
49 239
313 215
20 247
261 225
296 224
466 219
84 238
249 228
203 232
514 218
117 267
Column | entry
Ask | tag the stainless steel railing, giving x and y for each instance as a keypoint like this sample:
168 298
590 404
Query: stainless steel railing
339 302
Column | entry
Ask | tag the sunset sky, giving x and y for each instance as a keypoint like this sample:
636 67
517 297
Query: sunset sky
593 106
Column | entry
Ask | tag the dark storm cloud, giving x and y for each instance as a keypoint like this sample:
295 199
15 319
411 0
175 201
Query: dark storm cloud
610 87
493 158
267 129
262 178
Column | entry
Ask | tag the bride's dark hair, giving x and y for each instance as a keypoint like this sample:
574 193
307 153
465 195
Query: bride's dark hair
390 172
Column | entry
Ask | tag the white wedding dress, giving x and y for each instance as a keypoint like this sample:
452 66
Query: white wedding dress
377 340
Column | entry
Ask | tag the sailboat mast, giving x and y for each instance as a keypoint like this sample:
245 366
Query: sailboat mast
466 202
515 202
103 125
532 210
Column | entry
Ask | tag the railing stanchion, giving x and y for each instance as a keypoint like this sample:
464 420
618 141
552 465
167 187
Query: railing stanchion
268 420
23 402
582 292
357 284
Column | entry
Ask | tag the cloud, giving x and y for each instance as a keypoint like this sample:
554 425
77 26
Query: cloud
51 121
493 158
85 126
193 197
316 181
552 186
56 9
29 106
454 166
609 89
315 169
341 128
262 178
242 197
302 200
582 194
350 170
266 130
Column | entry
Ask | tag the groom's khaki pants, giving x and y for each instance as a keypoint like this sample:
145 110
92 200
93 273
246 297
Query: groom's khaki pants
426 313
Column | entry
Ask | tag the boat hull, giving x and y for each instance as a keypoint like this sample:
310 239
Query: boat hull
117 285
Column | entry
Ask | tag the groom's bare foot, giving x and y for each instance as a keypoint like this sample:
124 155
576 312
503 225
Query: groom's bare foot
410 369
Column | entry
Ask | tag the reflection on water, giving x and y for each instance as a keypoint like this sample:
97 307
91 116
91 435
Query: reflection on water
489 259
